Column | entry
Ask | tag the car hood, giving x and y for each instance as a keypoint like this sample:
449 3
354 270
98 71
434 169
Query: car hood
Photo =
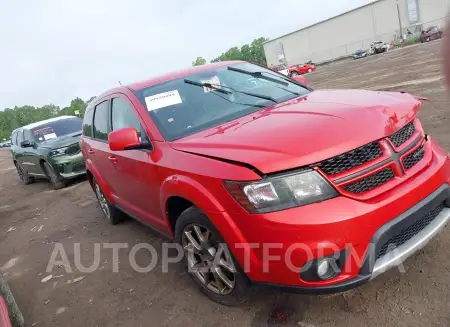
304 130
61 141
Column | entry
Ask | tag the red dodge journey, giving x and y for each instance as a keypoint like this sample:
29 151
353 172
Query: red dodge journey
263 181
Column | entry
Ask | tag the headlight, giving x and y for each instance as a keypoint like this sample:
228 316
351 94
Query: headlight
58 152
283 192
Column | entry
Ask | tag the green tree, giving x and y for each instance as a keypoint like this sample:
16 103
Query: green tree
253 52
199 61
12 118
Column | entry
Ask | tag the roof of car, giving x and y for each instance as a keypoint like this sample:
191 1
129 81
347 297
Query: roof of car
179 74
39 123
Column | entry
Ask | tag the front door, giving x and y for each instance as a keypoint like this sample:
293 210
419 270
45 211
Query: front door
135 182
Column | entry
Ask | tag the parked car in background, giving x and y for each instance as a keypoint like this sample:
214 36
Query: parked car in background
48 149
282 69
430 34
301 69
378 47
360 54
233 153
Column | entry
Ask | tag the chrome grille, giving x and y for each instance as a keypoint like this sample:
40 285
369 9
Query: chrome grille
351 159
403 135
370 182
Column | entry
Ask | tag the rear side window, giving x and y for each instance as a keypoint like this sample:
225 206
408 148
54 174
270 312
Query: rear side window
87 123
101 129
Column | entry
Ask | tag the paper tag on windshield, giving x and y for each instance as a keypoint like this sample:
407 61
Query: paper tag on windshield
215 81
162 100
50 136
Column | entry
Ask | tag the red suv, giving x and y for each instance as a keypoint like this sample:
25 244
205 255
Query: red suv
311 191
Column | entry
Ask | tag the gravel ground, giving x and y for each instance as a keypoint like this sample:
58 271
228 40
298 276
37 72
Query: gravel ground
34 218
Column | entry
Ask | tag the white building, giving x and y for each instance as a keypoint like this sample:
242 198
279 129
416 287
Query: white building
342 35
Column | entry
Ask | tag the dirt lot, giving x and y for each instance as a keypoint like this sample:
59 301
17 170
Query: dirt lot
33 218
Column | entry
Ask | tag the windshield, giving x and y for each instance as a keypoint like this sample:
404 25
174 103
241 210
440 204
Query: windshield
185 106
52 130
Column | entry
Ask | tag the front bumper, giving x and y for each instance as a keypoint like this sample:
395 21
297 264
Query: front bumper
69 166
342 224
373 267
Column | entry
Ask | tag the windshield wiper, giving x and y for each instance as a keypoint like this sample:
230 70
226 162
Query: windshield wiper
220 88
208 85
257 75
260 75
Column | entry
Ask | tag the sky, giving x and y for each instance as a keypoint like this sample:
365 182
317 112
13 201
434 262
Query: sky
53 51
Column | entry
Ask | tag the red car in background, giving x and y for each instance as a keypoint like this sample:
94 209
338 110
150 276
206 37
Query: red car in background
264 181
301 69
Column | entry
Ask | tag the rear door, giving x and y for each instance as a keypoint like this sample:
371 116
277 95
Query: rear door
29 155
19 151
97 148
135 183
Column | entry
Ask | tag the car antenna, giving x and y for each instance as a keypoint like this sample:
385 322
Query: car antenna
120 83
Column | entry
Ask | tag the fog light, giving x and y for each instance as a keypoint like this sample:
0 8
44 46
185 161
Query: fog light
322 268
325 268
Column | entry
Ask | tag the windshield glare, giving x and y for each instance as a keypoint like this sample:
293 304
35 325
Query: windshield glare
56 129
180 109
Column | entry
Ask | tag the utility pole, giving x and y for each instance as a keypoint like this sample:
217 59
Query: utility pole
399 21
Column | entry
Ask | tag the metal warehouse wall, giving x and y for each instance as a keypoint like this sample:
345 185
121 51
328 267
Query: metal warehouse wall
343 35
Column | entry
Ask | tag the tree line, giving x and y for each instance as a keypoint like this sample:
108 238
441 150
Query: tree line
253 52
12 118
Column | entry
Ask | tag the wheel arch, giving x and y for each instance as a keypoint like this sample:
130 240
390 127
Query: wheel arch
179 193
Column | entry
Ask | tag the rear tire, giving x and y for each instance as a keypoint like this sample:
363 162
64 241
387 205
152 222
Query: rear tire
55 179
211 281
111 213
24 178
294 73
310 70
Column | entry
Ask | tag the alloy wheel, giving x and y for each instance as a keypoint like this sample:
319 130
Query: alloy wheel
102 201
208 260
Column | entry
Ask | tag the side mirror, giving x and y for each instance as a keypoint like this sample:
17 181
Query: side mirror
124 139
300 79
26 144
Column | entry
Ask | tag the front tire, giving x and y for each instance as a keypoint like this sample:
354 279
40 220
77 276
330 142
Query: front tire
55 179
208 261
294 73
310 70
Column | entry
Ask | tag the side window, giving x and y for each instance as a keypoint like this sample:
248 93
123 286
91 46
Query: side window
19 137
101 129
87 122
122 115
13 138
26 135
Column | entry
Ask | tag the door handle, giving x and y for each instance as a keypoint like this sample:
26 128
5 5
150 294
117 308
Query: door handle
90 151
112 158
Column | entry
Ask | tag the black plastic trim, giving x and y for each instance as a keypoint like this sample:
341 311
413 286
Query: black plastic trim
336 288
405 220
